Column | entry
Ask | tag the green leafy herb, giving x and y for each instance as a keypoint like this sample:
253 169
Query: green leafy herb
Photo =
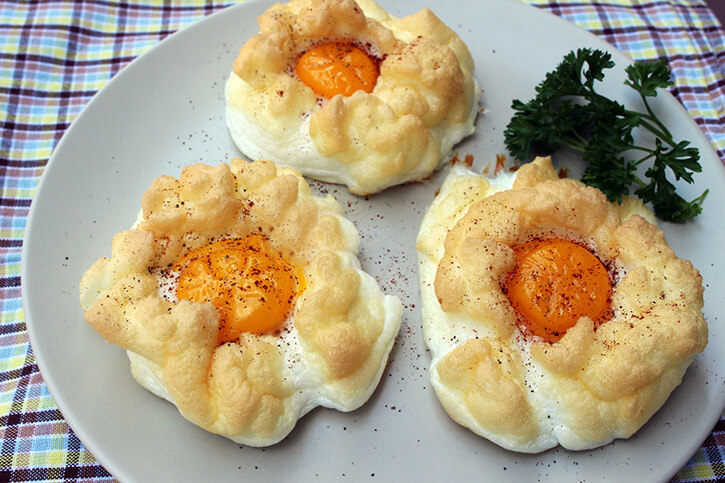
567 111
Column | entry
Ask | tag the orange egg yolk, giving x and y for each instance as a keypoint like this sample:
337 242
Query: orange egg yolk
333 68
556 282
252 287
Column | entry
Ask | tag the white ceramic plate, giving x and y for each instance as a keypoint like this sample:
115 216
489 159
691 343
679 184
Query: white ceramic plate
164 111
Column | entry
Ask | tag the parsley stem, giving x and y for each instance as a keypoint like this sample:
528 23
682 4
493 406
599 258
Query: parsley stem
654 118
666 137
574 144
641 148
582 140
659 131
639 182
642 160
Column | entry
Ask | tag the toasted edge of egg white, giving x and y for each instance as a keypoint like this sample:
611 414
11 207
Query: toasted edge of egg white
442 215
298 151
312 387
444 332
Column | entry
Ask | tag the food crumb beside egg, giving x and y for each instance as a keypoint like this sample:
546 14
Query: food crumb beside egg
346 93
553 316
239 298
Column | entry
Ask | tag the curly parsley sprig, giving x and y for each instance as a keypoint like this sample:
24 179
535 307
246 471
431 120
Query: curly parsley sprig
567 111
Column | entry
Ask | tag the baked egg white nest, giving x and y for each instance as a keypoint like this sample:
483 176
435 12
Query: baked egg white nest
596 383
329 350
424 102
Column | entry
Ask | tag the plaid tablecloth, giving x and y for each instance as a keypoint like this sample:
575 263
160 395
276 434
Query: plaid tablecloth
56 54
